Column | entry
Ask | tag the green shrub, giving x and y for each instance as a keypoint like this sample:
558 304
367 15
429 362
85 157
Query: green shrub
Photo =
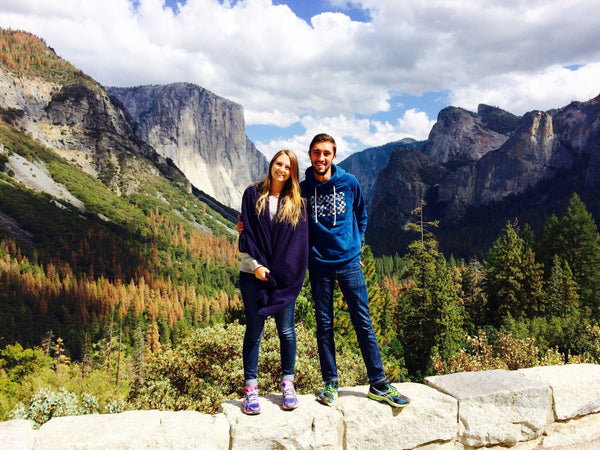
89 405
114 407
45 405
206 369
3 161
18 362
25 373
509 352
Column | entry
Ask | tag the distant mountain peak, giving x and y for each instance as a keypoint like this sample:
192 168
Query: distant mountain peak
480 159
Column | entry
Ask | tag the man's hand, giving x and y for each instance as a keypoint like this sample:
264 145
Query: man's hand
261 273
240 225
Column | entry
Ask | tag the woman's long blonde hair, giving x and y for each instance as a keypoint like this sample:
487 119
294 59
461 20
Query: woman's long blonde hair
291 203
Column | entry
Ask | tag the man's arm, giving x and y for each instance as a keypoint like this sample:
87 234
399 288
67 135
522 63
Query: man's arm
360 211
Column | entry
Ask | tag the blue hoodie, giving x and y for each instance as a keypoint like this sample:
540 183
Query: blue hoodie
336 234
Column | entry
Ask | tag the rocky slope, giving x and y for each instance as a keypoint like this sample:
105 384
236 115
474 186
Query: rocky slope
199 133
462 136
367 164
202 133
472 161
75 118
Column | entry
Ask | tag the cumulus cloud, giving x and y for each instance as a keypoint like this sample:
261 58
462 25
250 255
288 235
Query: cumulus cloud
519 92
332 72
351 134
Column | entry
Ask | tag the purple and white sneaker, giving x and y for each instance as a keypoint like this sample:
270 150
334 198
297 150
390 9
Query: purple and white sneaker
290 401
250 402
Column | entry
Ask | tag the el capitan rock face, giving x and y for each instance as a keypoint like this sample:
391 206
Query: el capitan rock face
202 133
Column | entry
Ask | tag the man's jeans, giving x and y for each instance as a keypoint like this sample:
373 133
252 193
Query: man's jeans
352 284
250 285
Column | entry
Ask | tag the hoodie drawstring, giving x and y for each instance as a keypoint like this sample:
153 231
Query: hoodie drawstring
315 203
334 208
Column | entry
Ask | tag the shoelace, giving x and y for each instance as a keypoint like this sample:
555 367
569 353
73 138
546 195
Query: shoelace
252 397
393 392
288 390
329 390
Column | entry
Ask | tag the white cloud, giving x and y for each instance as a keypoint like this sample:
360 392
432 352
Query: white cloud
351 134
519 93
333 73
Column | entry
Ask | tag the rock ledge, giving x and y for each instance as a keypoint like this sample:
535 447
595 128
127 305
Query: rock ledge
543 407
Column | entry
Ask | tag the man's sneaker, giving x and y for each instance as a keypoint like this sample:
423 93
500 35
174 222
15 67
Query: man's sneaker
329 394
388 393
250 402
290 401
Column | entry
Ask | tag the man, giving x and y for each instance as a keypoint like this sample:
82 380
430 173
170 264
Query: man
337 223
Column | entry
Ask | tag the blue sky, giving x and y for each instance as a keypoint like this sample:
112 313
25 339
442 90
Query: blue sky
304 9
368 72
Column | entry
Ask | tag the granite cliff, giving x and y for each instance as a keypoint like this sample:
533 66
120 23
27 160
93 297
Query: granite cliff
471 161
367 164
202 133
77 119
181 126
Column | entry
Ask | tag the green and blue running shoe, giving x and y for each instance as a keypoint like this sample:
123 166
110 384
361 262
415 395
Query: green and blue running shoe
388 393
329 394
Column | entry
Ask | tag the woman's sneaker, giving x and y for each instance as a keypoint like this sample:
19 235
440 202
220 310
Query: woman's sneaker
250 402
388 393
328 394
290 400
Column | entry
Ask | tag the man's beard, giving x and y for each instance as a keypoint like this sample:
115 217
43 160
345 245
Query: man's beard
322 172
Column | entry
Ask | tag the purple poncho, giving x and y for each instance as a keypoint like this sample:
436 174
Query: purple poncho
279 247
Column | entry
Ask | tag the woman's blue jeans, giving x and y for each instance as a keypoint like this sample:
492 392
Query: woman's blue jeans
255 323
352 284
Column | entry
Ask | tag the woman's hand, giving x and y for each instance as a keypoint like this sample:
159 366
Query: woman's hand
261 273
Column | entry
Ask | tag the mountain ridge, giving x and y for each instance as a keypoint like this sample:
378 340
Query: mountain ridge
473 173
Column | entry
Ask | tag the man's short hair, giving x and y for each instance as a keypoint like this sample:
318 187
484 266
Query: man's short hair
322 137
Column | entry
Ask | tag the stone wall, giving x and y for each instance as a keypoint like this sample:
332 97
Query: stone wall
543 407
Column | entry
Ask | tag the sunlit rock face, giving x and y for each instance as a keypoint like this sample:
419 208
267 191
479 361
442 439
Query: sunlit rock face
475 159
203 134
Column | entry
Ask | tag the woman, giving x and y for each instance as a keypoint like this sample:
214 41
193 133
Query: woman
274 242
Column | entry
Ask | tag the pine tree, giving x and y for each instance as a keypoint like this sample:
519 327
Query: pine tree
381 313
575 240
153 338
345 334
475 301
447 311
512 278
430 311
561 291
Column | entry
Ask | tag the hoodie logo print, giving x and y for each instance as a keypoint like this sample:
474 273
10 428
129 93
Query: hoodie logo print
330 204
